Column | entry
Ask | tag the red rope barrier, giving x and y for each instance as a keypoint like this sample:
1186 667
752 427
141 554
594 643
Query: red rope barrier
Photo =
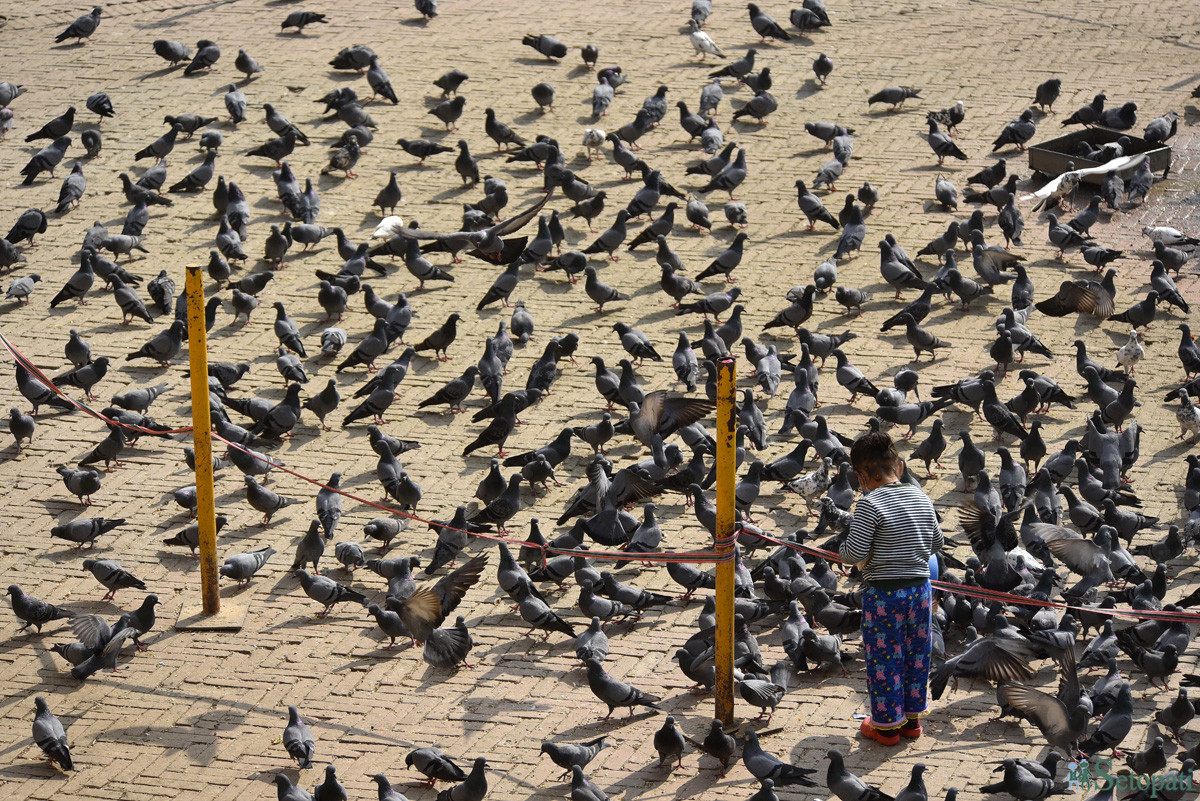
36 372
692 557
998 595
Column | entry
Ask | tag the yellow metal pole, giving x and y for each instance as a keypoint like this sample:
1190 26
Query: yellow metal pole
726 479
202 439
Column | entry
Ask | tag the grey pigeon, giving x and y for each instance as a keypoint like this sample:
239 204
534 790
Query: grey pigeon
21 426
570 755
207 54
615 693
246 65
848 787
766 766
242 566
287 791
894 96
111 575
45 160
326 591
32 611
435 765
82 28
172 52
298 739
80 483
50 736
263 499
475 786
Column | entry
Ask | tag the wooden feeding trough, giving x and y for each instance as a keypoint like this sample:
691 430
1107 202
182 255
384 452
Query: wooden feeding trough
1050 158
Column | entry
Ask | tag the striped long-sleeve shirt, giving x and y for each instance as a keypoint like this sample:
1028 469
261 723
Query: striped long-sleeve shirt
896 527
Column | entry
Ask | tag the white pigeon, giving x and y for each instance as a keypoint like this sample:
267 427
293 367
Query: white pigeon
1169 236
1020 317
593 140
332 341
1116 164
1130 353
1188 416
388 227
812 485
703 42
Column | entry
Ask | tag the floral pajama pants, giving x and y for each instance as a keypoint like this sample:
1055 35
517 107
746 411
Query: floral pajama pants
895 636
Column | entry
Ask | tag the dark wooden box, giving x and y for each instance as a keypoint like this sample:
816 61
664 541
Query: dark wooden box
1050 157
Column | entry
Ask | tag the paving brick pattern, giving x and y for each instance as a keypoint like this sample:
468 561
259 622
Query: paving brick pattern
199 716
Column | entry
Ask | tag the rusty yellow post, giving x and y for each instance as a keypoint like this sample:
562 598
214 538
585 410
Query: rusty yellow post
202 441
726 479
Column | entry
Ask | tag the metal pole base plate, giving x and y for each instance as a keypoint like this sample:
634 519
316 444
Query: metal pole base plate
192 618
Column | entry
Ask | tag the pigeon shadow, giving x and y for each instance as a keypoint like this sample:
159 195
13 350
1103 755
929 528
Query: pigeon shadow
809 88
930 168
527 117
931 206
33 769
159 73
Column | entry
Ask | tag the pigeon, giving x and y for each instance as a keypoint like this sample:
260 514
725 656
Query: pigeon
301 19
572 755
21 426
1047 93
207 54
765 25
729 178
327 592
894 96
82 28
942 145
1017 132
475 786
45 160
848 787
435 765
261 498
174 53
160 148
822 67
1121 118
760 107
32 611
950 117
1078 297
766 766
298 739
548 46
72 190
245 64
615 693
242 566
50 736
80 483
945 193
21 288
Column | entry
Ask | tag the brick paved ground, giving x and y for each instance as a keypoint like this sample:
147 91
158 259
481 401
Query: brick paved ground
198 716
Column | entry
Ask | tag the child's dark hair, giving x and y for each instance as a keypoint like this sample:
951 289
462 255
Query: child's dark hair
874 455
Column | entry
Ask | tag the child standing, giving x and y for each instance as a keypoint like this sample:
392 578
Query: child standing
893 538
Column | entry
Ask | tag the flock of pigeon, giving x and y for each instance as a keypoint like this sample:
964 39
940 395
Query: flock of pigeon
1046 520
